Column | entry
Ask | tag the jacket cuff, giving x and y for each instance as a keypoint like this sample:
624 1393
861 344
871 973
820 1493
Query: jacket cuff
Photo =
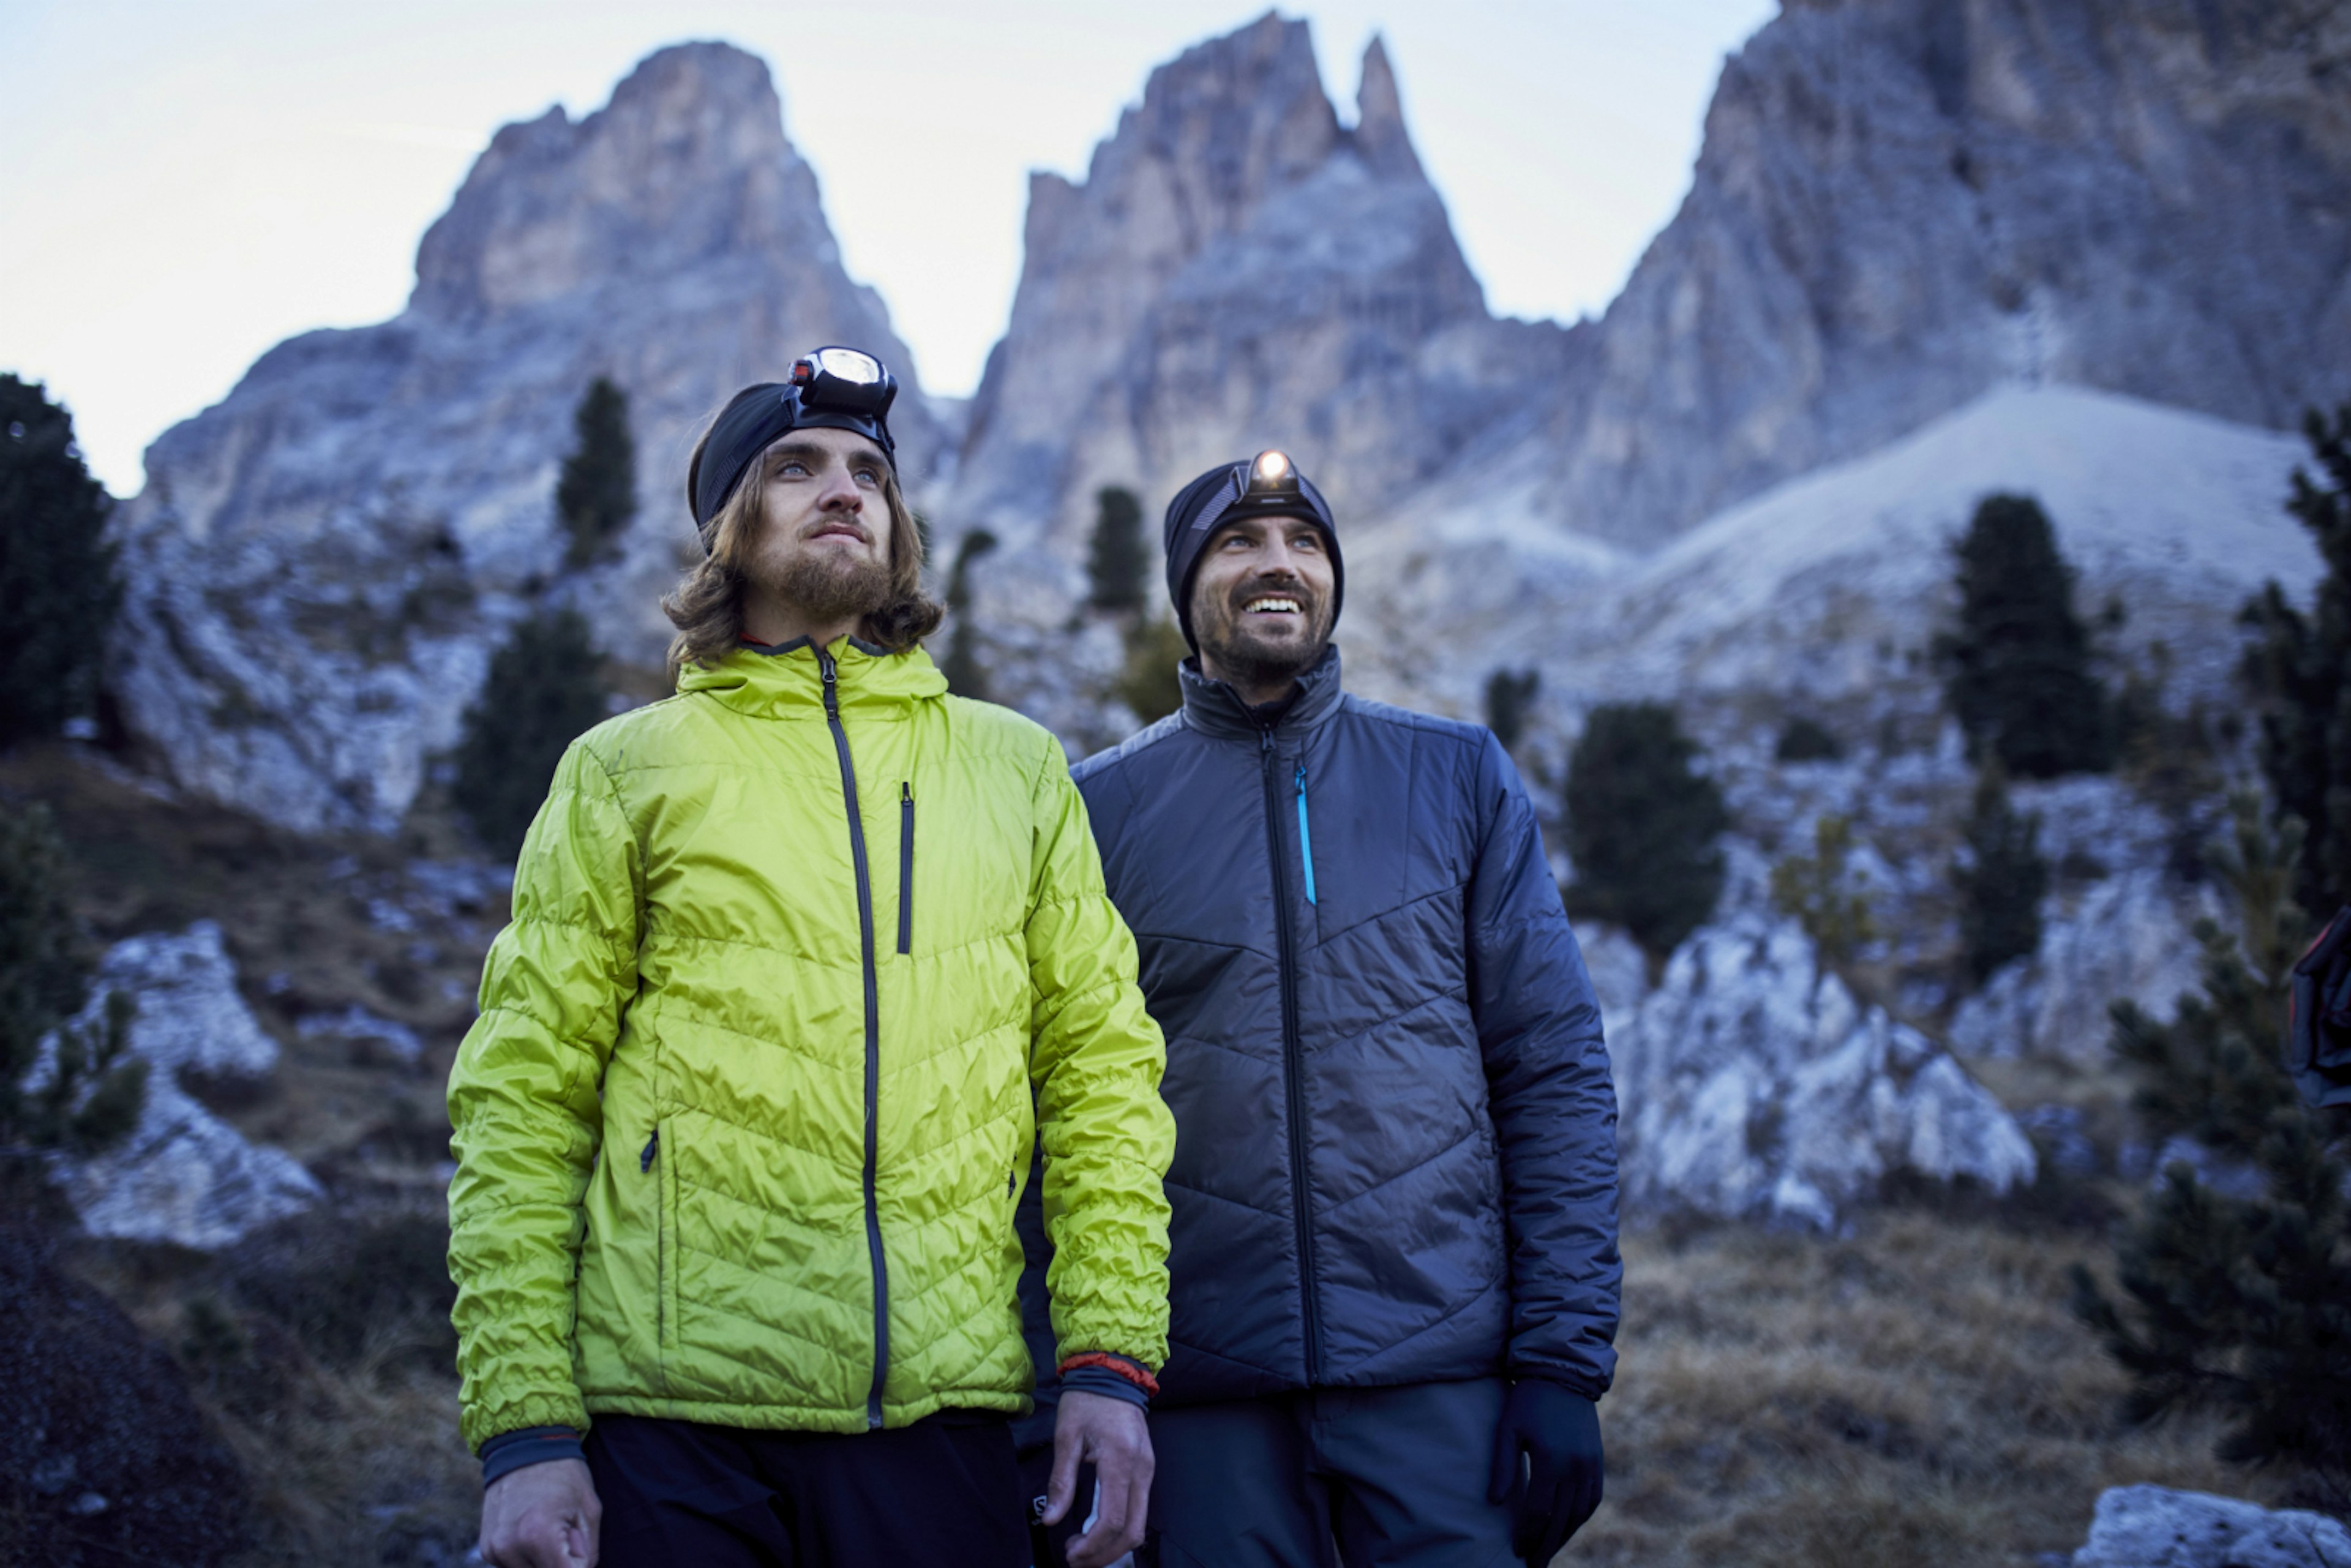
511 1451
1576 1383
1101 1380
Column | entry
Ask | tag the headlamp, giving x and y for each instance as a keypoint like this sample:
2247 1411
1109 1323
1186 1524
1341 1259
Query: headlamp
843 378
1267 483
832 387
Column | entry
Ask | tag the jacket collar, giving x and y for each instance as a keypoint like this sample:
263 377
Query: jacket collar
1216 709
786 681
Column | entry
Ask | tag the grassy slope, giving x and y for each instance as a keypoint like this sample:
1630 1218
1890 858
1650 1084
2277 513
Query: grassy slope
1914 1392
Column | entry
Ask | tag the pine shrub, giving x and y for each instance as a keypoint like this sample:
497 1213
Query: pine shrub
2017 669
1642 826
1148 683
2240 1303
596 495
1817 892
966 677
2299 669
58 586
1510 695
545 689
2001 877
91 1095
1118 567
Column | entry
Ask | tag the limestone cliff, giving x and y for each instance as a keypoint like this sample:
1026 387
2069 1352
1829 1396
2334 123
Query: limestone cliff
320 563
1903 203
1236 271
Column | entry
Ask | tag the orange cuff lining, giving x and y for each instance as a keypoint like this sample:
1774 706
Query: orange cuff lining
1132 1371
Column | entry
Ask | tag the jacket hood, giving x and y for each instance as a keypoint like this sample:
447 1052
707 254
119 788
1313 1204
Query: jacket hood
786 682
1214 709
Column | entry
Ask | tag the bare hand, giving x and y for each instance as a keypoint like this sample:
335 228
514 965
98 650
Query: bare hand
541 1516
1113 1435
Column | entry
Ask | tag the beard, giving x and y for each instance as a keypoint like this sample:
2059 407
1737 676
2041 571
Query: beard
1252 659
821 585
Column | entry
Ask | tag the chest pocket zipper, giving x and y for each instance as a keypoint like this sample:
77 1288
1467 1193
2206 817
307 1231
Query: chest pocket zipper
905 867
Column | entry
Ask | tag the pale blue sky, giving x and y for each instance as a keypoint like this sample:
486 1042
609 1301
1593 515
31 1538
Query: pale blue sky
183 185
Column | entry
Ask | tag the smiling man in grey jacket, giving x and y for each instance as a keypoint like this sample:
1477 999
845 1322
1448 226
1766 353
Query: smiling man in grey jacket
1394 1274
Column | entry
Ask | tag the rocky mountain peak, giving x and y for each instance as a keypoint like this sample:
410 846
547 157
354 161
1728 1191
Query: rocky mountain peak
688 160
321 563
1380 137
1236 270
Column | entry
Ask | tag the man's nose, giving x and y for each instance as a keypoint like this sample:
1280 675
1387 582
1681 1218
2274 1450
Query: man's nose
840 493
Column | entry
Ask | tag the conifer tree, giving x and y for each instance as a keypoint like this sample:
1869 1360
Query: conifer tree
1509 693
966 677
1117 566
597 494
1642 826
1147 683
2017 668
58 586
2299 668
2001 878
92 1090
545 689
2242 1303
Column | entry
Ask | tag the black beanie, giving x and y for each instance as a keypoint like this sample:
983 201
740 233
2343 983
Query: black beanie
1218 496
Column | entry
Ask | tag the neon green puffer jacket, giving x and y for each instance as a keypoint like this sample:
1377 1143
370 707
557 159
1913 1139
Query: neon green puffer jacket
804 1044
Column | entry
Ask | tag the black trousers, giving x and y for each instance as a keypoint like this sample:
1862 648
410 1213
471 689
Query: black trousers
1331 1477
945 1491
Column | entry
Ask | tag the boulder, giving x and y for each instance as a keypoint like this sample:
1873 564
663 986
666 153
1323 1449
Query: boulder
183 1175
2156 1527
1751 1084
2126 937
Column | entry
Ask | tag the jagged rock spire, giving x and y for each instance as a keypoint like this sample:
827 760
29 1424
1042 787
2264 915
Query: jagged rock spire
1381 139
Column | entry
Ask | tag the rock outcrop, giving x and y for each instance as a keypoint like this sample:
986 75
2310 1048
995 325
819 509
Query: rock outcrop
1751 1084
2156 1527
1236 271
1901 204
320 564
2129 938
184 1175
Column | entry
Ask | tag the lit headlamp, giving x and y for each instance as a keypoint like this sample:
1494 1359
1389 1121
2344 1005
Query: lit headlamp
831 388
1267 483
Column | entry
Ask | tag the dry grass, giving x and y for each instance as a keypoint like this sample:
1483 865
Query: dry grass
1916 1392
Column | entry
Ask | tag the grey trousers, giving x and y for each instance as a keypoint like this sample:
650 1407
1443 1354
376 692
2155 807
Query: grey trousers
1331 1477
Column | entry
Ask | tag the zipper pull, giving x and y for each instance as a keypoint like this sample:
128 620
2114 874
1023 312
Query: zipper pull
831 684
906 792
645 1160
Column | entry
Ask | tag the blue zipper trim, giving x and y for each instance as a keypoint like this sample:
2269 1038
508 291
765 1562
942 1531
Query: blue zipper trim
1305 839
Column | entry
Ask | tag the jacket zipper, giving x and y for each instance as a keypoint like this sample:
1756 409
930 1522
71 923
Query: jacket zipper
1292 1067
1305 838
905 867
873 1038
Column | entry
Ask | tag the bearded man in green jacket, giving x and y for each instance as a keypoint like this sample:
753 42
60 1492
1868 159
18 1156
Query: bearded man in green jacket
742 1126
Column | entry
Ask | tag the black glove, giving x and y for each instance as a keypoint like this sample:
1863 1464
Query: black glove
1558 1486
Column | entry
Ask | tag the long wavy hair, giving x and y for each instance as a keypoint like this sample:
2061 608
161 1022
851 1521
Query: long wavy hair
707 607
